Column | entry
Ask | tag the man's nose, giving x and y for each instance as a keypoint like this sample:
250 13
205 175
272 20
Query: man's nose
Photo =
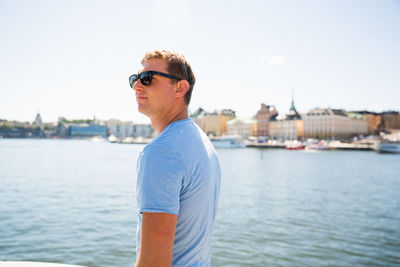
138 86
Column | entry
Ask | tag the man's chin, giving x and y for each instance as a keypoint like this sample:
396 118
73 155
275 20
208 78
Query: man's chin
142 110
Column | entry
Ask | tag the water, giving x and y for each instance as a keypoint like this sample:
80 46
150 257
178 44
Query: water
74 202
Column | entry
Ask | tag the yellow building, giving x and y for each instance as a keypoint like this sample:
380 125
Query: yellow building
374 121
284 129
213 124
391 120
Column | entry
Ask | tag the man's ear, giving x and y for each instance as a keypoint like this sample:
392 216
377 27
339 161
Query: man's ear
182 88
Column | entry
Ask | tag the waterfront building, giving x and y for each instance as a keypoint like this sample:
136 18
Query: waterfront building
16 129
62 129
243 127
213 124
263 116
143 130
390 120
288 127
197 117
120 129
374 121
50 129
124 129
87 130
329 123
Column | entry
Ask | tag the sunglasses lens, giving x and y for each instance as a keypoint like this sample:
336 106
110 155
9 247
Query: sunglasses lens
146 78
132 79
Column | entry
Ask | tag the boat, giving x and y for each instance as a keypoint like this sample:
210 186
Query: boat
321 145
388 147
97 139
227 142
112 139
295 145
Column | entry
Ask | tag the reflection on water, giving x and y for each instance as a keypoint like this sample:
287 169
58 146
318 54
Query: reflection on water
74 202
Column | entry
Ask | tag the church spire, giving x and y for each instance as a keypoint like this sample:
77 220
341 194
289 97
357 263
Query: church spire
292 107
293 114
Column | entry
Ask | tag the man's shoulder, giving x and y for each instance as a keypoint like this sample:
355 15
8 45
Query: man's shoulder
177 134
180 139
159 149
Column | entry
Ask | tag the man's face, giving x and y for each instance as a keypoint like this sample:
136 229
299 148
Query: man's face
157 99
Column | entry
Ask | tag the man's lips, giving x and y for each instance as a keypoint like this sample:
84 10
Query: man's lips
138 98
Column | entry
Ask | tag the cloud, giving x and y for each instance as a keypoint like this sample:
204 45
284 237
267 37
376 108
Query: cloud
273 60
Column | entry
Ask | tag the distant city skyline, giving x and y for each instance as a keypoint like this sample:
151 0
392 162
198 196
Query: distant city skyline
280 114
73 59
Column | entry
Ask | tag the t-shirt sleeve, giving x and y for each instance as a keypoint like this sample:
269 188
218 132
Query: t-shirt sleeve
159 182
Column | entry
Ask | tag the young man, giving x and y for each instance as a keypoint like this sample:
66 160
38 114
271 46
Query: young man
178 172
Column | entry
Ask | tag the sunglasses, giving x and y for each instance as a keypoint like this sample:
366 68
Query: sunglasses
147 76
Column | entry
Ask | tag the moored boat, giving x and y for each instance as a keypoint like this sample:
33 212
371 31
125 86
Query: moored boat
388 147
321 145
227 142
112 139
295 145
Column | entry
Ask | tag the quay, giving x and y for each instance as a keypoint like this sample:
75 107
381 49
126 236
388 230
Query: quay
331 146
351 146
265 145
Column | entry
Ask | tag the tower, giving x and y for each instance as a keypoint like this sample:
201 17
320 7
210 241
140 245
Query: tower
38 121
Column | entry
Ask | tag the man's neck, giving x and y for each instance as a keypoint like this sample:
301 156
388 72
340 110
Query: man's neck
160 124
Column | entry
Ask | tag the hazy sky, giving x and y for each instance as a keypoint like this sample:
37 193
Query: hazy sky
73 58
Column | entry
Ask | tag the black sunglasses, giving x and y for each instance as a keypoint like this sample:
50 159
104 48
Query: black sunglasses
147 76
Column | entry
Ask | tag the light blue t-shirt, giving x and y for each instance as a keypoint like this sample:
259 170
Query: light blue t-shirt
179 173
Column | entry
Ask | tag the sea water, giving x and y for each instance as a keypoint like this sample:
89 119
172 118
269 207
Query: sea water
73 201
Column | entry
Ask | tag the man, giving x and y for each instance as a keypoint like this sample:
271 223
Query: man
178 172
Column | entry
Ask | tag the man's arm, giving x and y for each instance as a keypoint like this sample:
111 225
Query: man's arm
157 239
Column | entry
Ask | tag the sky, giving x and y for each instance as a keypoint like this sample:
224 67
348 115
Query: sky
72 59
